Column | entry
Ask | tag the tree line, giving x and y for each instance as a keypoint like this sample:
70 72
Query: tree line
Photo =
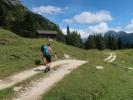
71 38
96 41
106 42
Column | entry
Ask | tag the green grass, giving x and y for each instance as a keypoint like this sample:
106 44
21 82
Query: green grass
114 82
9 93
17 54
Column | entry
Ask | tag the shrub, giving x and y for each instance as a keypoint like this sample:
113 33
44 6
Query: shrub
38 62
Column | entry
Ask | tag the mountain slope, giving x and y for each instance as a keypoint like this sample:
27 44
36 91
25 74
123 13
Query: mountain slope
18 53
125 37
14 16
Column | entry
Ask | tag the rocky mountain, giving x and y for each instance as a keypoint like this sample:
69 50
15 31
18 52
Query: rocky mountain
126 37
12 2
17 18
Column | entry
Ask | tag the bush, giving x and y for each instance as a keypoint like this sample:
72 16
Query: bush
38 62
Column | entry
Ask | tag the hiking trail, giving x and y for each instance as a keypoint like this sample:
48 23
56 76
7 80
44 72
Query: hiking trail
18 77
111 57
43 85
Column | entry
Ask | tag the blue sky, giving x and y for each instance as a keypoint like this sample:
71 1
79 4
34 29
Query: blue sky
86 16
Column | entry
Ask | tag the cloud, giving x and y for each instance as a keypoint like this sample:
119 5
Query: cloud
117 29
100 28
92 18
48 9
103 28
88 17
82 32
94 29
129 27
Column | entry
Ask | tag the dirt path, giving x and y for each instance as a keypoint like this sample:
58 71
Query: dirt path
42 86
26 74
111 57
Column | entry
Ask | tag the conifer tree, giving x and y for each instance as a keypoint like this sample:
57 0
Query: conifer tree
100 43
120 44
90 43
68 30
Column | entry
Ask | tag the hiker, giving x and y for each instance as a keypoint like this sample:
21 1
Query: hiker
47 52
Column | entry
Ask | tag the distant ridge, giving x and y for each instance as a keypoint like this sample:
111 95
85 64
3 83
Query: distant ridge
17 18
12 2
125 37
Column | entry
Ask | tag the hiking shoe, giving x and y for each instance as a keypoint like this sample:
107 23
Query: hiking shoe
45 70
45 64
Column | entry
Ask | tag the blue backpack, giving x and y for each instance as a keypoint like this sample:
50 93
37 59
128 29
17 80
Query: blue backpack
44 49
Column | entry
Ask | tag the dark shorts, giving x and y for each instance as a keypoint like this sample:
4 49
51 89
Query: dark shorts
48 58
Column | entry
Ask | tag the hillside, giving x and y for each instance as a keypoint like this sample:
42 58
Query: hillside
17 18
113 82
126 37
19 53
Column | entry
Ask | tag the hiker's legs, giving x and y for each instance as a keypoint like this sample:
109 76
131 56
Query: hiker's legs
48 66
44 60
48 58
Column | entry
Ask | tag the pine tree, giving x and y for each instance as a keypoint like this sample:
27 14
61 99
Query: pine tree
128 45
120 44
90 43
100 43
111 42
68 30
114 43
74 39
68 35
80 41
60 36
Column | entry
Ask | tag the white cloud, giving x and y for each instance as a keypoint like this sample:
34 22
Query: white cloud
48 9
83 32
117 29
129 27
103 28
91 18
87 17
100 28
94 29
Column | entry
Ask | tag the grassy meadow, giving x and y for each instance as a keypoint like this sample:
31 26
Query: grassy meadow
17 53
114 82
